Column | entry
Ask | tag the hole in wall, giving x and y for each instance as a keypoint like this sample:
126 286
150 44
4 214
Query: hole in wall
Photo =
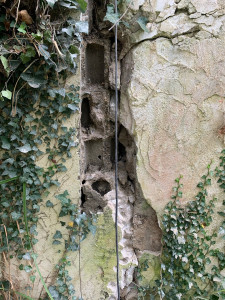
98 12
112 150
101 186
99 3
93 152
95 63
99 209
83 198
86 121
121 151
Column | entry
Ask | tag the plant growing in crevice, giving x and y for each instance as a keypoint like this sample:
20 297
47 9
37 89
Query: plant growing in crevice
118 18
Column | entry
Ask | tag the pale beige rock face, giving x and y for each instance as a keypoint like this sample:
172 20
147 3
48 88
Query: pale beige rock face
173 102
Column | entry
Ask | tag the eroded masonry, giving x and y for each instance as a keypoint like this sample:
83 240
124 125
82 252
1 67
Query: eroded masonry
138 224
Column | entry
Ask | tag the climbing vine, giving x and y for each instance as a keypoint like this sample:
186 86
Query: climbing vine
39 44
190 264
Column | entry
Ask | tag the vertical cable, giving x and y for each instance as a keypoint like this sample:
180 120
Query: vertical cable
116 158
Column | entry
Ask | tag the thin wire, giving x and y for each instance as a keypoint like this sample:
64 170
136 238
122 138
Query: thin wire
116 158
79 249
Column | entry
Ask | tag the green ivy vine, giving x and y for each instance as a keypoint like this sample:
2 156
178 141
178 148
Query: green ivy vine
39 44
190 264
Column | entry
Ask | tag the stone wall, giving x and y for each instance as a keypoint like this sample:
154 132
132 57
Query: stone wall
171 112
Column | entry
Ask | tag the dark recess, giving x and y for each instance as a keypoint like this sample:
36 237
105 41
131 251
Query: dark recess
85 114
121 152
95 63
83 198
101 186
93 152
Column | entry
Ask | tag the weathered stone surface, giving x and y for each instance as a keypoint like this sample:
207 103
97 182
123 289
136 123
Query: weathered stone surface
170 18
206 6
173 103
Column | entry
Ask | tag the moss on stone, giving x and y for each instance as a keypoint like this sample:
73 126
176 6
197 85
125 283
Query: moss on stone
105 250
153 272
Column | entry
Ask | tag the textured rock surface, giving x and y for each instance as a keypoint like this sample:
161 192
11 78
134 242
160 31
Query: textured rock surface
172 102
172 105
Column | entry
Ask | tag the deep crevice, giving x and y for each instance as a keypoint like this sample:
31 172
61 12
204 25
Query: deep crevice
98 161
86 121
83 198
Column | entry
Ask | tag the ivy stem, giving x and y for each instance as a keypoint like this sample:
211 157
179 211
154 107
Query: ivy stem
14 90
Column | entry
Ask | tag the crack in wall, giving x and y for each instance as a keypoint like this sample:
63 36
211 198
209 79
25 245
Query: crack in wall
139 229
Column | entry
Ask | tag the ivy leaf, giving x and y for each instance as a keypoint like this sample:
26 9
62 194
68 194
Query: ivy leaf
222 231
24 149
221 213
110 15
32 278
73 107
27 269
82 5
10 173
51 3
28 118
142 21
92 228
57 235
43 50
38 36
27 256
69 4
26 57
68 30
5 143
54 292
15 215
74 50
49 204
5 63
14 64
82 26
33 81
56 242
7 94
62 197
61 92
22 27
55 182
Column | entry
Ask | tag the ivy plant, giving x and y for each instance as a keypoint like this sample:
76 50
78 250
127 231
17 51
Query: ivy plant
39 44
190 264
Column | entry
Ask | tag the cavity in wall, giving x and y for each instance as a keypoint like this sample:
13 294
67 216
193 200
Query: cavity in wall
137 221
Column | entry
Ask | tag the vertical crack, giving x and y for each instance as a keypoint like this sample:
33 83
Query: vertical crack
137 221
